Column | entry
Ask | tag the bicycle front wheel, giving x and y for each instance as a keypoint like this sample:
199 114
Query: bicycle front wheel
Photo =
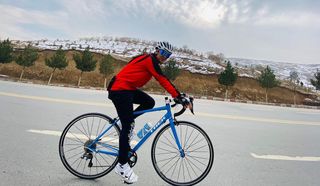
198 150
80 155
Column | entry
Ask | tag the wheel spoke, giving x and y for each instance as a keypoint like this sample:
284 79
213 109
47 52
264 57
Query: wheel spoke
104 159
81 131
184 177
79 163
88 128
95 155
84 130
98 128
195 143
172 157
78 159
191 167
198 148
192 157
84 165
185 138
99 162
71 144
73 148
75 155
179 169
171 142
103 128
198 157
77 139
169 161
171 146
187 169
198 151
189 137
194 164
167 150
175 166
91 127
194 140
166 153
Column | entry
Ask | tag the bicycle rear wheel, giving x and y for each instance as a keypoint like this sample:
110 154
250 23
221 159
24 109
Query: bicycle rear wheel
187 170
77 152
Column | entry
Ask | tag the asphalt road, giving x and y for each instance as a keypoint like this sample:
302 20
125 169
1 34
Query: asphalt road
254 144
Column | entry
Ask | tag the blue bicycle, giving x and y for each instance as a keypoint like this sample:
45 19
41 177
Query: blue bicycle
182 153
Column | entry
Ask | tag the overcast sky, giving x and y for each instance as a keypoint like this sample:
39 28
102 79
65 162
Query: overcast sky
278 30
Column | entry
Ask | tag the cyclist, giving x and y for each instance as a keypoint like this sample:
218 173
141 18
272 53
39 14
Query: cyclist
124 92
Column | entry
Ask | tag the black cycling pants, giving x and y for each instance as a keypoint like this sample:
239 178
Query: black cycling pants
123 101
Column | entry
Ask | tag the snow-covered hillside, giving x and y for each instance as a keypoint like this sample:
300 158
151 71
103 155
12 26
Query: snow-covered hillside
194 61
127 47
281 69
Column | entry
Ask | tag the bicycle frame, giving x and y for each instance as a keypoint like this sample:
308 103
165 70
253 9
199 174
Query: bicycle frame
167 116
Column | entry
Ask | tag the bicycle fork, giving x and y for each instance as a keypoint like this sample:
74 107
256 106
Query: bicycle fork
175 135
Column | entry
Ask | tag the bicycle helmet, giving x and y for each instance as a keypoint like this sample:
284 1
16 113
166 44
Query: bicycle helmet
165 46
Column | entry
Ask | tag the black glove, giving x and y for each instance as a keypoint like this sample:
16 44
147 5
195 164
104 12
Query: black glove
182 99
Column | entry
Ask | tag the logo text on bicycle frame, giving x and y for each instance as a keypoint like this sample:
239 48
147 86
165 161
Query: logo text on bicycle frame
163 119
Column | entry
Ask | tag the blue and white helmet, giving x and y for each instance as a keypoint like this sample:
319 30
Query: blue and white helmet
164 45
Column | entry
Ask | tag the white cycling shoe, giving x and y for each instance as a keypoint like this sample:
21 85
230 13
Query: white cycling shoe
126 172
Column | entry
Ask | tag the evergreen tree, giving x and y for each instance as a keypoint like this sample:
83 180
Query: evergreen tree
171 69
144 51
106 67
27 58
84 62
316 82
228 77
294 80
268 80
57 61
6 50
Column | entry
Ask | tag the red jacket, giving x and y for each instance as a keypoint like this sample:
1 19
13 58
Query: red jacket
138 72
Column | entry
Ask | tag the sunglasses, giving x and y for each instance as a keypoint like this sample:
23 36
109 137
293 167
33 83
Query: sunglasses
165 53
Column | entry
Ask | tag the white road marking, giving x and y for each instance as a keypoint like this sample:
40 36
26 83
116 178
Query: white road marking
316 112
54 86
259 109
290 158
223 116
47 132
76 136
55 99
267 120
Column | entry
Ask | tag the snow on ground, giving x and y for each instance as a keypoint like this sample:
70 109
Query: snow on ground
281 69
196 63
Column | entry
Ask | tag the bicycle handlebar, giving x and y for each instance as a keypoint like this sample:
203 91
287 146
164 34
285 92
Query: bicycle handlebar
183 108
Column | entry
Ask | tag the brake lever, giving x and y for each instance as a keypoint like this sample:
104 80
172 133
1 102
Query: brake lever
191 101
192 111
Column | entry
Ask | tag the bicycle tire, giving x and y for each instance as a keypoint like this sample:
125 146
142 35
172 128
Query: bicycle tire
78 140
171 150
